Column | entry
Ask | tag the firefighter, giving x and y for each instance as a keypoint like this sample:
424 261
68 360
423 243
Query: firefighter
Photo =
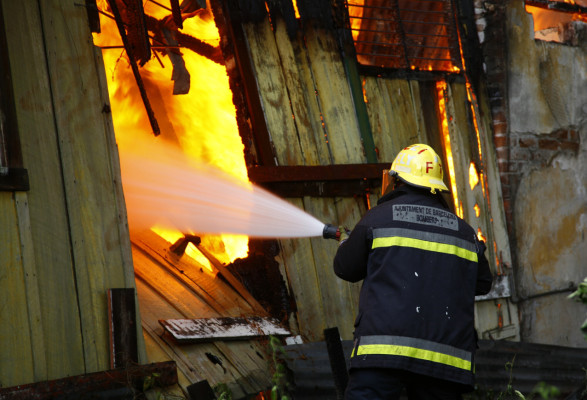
421 267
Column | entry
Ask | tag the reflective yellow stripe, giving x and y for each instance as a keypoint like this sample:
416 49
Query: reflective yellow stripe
413 352
424 245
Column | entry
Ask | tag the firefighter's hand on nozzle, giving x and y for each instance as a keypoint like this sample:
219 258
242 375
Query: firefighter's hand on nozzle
344 234
338 233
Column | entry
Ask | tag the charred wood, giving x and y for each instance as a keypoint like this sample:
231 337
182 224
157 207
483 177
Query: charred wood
183 40
134 67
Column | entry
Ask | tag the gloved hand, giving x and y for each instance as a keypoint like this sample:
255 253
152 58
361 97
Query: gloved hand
344 234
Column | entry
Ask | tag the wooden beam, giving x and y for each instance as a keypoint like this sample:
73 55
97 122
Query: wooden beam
263 146
134 67
82 386
123 330
342 180
299 173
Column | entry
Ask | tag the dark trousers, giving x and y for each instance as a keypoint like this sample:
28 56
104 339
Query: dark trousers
388 384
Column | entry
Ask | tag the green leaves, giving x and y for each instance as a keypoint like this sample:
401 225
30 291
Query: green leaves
580 295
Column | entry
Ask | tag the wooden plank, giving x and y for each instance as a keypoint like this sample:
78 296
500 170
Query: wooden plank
49 231
173 291
88 180
381 117
298 261
114 165
215 367
159 351
123 230
14 318
335 97
253 359
336 294
214 292
223 328
396 115
233 281
273 91
301 93
33 299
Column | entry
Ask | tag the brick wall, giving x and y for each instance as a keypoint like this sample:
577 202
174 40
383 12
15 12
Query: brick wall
490 20
516 152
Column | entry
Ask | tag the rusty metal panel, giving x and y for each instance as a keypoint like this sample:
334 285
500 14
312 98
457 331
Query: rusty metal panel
405 34
530 363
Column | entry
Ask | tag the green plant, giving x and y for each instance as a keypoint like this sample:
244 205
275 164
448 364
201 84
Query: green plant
281 386
510 392
151 384
546 391
223 391
580 295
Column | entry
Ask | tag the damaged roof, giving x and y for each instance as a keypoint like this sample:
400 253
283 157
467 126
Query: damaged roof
223 339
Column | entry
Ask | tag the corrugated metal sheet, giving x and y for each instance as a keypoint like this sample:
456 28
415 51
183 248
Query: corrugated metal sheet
531 363
170 287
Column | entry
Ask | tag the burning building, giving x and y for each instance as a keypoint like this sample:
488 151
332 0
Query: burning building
308 100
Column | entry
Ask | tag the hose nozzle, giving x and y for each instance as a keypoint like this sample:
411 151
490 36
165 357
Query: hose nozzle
331 232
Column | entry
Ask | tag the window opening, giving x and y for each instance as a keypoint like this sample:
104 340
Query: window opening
557 21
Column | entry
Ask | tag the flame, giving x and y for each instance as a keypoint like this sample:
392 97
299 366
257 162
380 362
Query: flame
355 8
441 88
173 235
202 122
473 176
477 210
497 260
480 235
544 19
296 10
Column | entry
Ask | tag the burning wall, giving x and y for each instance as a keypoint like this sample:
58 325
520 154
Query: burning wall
192 103
539 103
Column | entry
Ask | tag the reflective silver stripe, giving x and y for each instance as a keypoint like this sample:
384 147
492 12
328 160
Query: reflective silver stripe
425 236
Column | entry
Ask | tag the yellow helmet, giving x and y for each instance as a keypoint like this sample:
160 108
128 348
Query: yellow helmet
420 166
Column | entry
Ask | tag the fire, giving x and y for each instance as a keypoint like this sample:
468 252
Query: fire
480 235
441 88
355 8
473 176
202 122
477 210
173 235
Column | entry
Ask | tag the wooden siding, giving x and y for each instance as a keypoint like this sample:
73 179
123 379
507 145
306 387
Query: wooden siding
178 288
65 236
310 116
311 120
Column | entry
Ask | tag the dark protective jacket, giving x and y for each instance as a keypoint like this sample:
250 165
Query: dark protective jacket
422 267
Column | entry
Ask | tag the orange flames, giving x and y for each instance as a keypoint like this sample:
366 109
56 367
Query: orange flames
441 88
202 123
